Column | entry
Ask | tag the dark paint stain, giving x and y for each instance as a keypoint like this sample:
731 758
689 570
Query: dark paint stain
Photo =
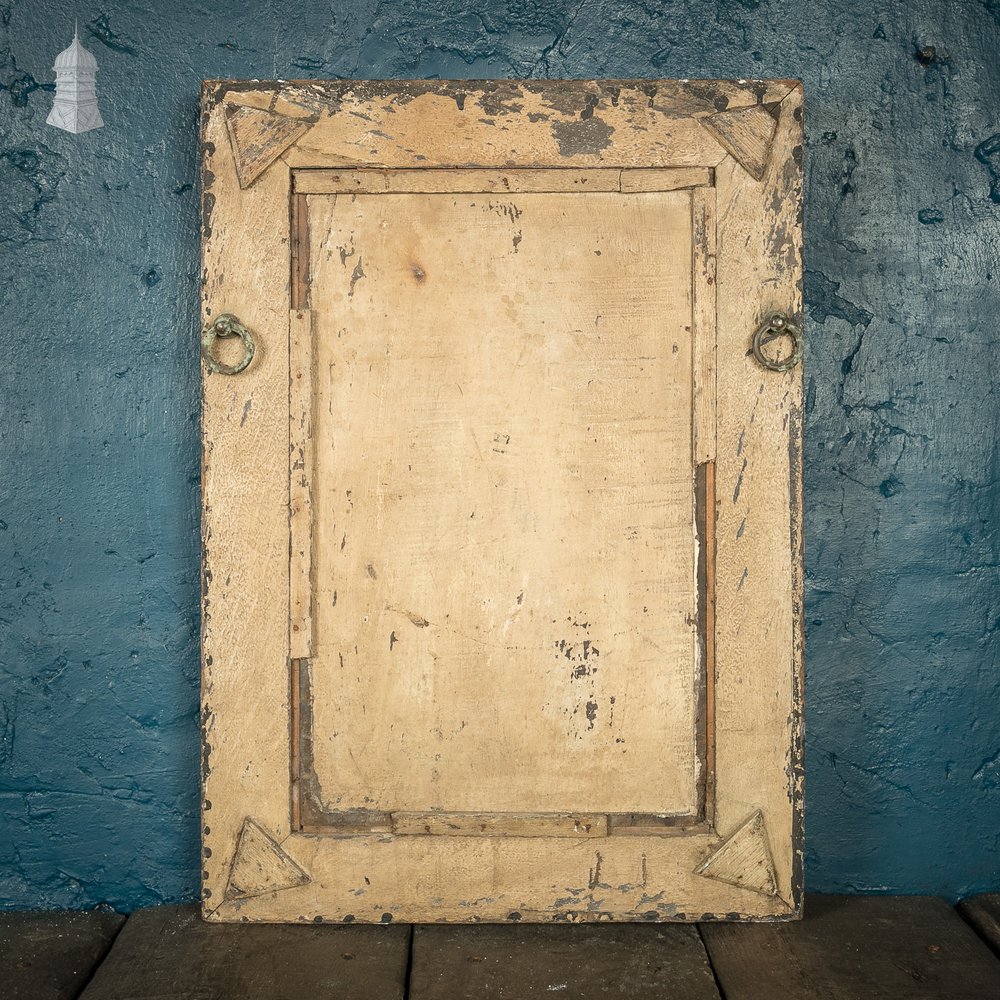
890 487
419 274
739 481
207 207
30 180
847 178
497 103
100 30
18 83
584 137
356 275
206 747
825 302
987 153
594 881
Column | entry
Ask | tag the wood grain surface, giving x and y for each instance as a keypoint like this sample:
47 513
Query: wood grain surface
585 963
504 545
51 955
876 947
168 951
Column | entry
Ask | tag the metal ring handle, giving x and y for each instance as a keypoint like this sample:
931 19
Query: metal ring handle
226 325
775 326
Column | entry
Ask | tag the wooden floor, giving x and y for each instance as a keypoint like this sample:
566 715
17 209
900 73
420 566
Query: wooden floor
892 947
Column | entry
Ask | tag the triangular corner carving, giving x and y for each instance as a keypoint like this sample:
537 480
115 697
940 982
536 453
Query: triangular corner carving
260 865
259 137
744 859
746 133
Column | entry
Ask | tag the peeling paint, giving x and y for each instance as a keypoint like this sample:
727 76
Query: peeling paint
586 136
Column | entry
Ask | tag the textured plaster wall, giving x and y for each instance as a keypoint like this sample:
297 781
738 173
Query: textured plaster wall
99 449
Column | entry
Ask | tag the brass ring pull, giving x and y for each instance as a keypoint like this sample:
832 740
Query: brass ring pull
778 325
226 325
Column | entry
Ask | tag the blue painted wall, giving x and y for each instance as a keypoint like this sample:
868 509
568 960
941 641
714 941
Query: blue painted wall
99 449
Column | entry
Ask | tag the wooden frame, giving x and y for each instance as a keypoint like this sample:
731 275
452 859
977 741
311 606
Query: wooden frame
269 147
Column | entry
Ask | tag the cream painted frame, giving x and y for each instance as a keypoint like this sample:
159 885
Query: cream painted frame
748 862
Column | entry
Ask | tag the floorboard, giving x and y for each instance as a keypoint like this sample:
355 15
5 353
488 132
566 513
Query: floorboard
169 952
582 962
982 913
871 947
875 947
51 955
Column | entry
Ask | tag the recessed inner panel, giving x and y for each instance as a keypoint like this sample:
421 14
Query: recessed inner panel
504 548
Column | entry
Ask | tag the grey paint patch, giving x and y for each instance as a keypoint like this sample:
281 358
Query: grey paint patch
588 136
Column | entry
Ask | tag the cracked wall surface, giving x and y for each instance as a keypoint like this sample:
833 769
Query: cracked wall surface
99 406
